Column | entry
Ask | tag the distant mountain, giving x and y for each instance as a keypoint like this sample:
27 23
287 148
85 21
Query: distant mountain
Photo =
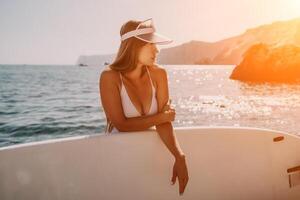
227 51
95 60
267 63
230 51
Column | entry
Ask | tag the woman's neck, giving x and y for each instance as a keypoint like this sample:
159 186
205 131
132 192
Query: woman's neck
137 73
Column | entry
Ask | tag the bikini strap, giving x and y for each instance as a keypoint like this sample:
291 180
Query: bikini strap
149 76
121 78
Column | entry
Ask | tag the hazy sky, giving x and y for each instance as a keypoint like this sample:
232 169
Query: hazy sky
58 31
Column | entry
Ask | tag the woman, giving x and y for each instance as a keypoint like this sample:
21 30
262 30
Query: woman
134 91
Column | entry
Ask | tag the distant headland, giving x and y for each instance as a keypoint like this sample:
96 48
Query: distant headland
227 51
269 63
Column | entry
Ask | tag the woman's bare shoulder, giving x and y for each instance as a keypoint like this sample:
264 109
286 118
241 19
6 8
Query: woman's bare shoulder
158 74
109 73
157 70
110 76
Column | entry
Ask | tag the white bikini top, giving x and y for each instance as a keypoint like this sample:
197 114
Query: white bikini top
128 107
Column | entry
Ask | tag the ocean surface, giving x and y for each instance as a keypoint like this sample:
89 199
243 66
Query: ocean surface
45 102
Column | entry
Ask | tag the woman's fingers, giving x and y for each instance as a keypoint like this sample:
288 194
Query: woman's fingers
166 107
182 184
183 176
173 180
180 171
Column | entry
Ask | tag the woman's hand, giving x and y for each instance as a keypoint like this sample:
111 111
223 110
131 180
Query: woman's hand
167 106
168 113
180 171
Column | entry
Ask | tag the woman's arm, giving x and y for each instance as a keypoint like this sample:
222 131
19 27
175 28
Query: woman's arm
165 130
112 105
141 123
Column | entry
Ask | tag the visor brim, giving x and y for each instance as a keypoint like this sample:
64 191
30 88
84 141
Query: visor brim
154 38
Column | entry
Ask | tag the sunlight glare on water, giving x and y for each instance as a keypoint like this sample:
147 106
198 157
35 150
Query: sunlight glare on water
44 102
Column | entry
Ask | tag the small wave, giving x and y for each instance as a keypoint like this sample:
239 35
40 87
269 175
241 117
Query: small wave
48 119
9 112
31 133
12 101
75 108
40 129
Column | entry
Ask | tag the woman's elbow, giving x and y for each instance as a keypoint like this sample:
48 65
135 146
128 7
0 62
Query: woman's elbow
121 125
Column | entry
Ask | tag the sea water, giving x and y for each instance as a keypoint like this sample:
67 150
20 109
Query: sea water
39 102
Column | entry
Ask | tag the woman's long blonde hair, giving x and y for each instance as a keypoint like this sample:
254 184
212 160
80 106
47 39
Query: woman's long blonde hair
127 56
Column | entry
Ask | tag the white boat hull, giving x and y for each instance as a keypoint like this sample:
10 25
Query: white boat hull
223 162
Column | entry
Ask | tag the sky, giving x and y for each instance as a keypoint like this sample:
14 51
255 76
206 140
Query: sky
59 31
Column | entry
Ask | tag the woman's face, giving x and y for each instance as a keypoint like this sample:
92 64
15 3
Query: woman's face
147 54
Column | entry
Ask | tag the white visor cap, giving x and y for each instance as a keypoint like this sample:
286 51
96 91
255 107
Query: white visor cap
146 31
